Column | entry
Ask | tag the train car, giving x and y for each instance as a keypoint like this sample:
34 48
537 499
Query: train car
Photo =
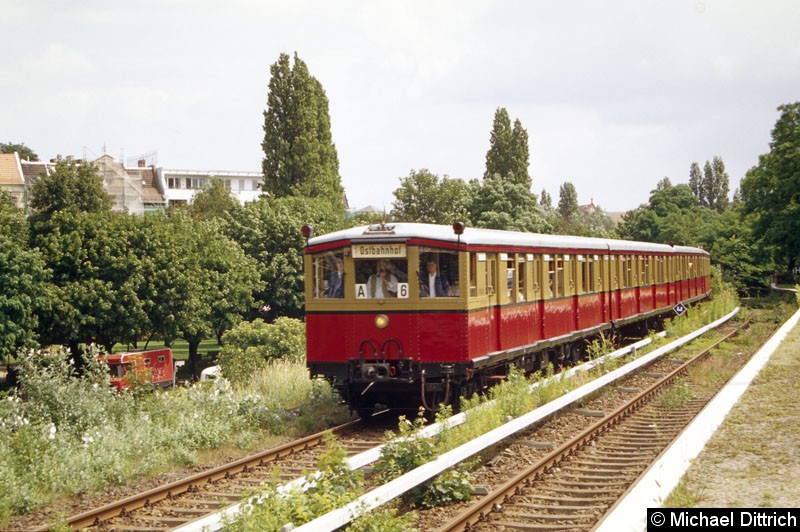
407 314
155 365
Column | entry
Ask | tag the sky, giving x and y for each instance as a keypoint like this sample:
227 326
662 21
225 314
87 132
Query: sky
614 95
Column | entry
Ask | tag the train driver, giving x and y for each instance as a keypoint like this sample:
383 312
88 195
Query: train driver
382 283
336 280
434 284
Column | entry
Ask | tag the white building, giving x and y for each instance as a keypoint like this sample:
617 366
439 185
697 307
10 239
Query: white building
180 186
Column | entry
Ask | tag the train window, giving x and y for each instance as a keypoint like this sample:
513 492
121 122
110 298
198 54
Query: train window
473 274
645 278
626 271
537 275
510 271
555 267
588 279
329 275
522 287
613 281
438 273
381 278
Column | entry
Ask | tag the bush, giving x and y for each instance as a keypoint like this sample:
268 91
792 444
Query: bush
248 346
63 433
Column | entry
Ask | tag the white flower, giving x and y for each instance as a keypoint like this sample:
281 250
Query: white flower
53 430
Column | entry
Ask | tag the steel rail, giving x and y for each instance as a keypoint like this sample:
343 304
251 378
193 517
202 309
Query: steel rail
478 512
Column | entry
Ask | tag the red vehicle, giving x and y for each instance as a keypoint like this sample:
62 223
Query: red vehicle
154 366
406 314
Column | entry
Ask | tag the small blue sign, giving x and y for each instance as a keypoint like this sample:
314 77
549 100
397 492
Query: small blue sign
679 309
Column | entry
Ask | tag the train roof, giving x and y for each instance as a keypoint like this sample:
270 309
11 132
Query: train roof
473 236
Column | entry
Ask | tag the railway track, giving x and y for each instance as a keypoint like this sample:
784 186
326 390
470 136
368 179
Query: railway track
576 484
191 498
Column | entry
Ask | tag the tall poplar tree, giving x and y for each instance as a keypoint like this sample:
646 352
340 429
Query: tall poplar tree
711 186
508 154
696 180
300 158
721 184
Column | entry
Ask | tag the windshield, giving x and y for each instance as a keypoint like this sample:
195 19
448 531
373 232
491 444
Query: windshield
381 278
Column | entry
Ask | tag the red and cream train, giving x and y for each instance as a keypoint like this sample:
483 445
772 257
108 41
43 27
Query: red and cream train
406 314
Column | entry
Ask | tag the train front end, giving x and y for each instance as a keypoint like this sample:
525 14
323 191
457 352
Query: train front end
385 319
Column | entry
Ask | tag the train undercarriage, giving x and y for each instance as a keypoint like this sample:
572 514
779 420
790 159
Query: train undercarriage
377 380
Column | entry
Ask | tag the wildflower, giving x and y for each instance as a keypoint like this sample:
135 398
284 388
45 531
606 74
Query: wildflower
53 430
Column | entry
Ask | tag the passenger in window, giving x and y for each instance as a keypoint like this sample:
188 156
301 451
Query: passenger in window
434 284
382 283
336 280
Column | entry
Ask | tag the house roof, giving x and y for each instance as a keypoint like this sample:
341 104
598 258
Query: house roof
31 170
10 170
147 177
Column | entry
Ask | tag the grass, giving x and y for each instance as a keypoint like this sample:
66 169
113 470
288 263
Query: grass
63 435
684 497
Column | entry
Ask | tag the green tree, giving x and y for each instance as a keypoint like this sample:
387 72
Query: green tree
567 201
97 280
771 190
12 219
715 185
23 294
711 186
222 287
423 197
696 180
299 155
268 231
508 156
70 187
672 216
546 201
214 201
732 245
500 204
25 152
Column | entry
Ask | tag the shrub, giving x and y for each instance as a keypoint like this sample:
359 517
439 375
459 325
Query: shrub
249 345
63 433
405 451
334 486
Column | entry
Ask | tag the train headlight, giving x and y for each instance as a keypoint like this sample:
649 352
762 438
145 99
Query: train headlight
381 321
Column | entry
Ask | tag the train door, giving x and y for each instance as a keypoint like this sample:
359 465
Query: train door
538 285
613 288
602 287
492 290
576 284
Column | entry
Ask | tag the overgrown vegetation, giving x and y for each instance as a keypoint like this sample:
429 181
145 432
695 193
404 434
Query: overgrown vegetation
333 486
250 346
724 299
64 433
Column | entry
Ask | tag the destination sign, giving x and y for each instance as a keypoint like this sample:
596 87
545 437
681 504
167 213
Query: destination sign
379 251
